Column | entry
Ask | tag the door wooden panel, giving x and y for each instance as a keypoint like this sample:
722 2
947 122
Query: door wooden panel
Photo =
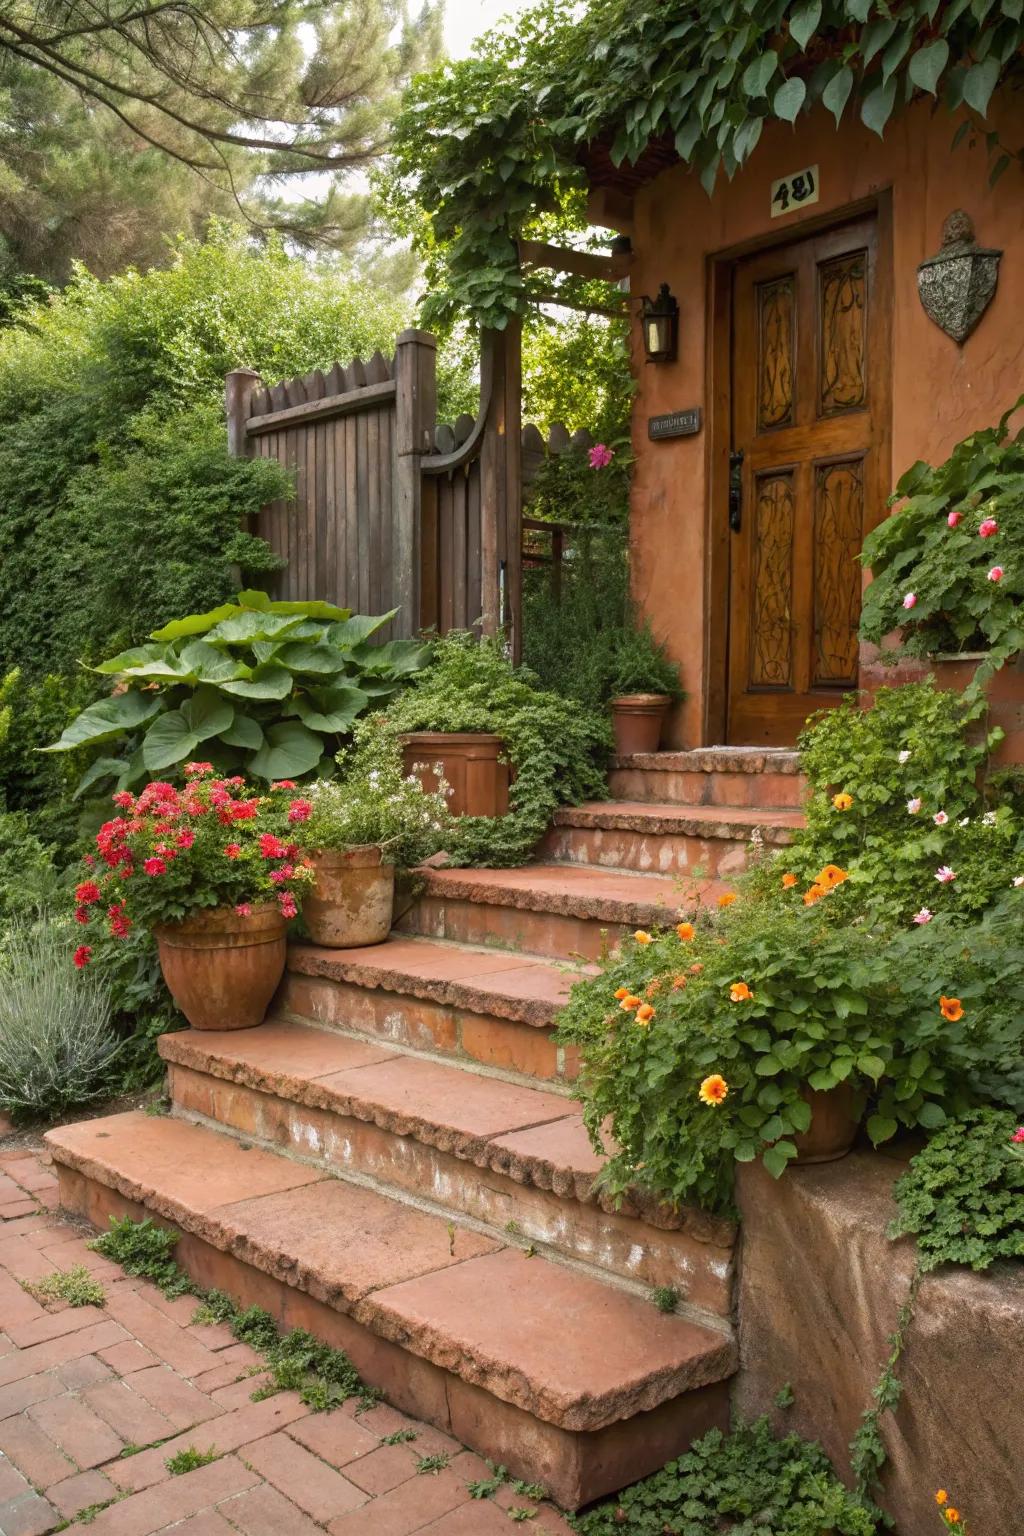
807 399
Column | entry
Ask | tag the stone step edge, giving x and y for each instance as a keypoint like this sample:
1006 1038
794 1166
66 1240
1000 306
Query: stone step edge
717 1363
473 996
472 886
700 1316
183 1049
688 821
713 760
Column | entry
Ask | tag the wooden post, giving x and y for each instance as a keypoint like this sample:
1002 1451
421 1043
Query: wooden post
501 509
239 387
415 421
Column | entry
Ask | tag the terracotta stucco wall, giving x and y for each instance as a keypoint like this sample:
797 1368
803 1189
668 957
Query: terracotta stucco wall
941 390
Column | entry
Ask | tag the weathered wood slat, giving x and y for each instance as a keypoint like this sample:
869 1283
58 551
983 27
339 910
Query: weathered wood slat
354 399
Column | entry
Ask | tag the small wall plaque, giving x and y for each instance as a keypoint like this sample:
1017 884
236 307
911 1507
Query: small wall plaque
797 191
675 424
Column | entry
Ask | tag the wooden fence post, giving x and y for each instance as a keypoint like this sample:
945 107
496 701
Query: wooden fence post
501 487
415 421
239 387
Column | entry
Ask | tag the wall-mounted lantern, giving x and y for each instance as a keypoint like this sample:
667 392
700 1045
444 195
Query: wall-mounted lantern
660 321
957 284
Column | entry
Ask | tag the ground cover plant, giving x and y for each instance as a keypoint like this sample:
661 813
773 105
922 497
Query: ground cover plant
556 750
266 688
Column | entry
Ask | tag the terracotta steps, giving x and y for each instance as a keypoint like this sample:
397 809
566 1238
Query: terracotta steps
734 776
479 1005
418 1128
494 1347
558 910
665 839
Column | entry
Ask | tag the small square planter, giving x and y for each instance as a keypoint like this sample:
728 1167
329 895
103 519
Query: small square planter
470 764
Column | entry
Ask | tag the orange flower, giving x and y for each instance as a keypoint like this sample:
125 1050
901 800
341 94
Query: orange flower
942 1497
629 1002
831 876
620 993
644 1014
842 801
642 936
696 968
740 992
713 1090
788 882
727 899
685 931
952 1515
653 987
678 982
951 1008
815 893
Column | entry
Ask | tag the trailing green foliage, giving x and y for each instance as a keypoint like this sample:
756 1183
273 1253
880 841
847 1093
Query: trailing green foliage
490 146
747 1483
963 1196
264 688
57 1046
556 751
868 1453
296 1361
915 756
76 1286
933 577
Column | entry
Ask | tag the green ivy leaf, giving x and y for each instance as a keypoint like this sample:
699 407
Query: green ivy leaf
804 21
979 83
759 72
927 64
837 93
881 1128
789 98
931 1115
876 108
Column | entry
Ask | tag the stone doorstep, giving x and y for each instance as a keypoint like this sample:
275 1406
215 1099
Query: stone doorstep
665 839
749 760
537 1187
519 1329
648 818
711 776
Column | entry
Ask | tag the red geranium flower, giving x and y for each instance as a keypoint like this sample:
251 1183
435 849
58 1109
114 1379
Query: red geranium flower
82 956
233 850
300 810
87 893
154 866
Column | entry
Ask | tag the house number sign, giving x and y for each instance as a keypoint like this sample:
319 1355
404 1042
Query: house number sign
675 424
796 191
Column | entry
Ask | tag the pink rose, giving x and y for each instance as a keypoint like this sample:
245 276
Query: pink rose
996 573
910 601
601 456
954 519
922 917
987 528
940 818
913 806
1018 1134
944 875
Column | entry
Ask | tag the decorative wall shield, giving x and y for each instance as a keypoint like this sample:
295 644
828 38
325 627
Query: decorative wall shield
956 285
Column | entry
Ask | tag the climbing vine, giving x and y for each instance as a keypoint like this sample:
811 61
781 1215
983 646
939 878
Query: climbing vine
490 147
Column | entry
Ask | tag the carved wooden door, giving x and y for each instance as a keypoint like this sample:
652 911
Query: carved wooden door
807 477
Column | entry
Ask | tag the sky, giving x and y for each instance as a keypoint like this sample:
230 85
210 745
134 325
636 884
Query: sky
466 19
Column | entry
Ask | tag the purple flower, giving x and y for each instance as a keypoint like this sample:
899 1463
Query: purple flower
601 456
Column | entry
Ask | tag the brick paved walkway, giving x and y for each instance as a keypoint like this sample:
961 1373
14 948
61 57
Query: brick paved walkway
79 1384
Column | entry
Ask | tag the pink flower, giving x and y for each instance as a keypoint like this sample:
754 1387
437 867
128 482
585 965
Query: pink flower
940 818
123 799
944 875
954 519
913 806
244 909
286 901
600 456
910 601
219 796
284 784
271 847
186 838
82 956
996 573
245 810
987 528
232 850
922 917
300 810
197 770
1018 1134
154 866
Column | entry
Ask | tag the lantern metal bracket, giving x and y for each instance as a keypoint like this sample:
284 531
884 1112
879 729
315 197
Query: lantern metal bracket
957 284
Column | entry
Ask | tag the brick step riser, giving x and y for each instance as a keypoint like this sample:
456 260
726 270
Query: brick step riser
654 853
577 1467
751 791
522 1051
551 935
619 1245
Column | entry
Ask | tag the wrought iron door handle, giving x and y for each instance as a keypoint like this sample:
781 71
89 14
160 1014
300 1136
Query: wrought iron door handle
736 489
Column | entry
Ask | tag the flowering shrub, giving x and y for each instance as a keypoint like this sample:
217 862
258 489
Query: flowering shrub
948 566
374 802
173 852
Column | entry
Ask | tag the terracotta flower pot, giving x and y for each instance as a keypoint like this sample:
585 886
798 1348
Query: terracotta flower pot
637 720
833 1126
222 969
470 764
353 899
1004 692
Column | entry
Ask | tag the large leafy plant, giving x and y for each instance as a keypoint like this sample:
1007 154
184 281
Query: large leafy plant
268 689
948 565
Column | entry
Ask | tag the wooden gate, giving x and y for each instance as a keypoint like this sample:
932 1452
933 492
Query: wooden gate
390 509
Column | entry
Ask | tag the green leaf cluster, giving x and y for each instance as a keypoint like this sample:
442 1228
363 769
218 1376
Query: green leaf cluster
747 1483
488 146
915 551
556 751
268 689
963 1196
